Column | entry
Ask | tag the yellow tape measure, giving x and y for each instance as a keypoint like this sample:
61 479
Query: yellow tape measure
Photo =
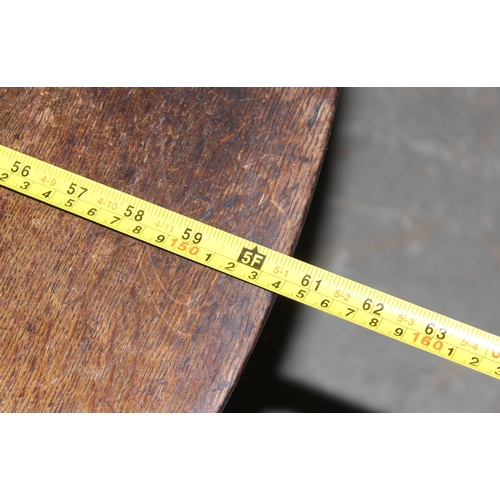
250 262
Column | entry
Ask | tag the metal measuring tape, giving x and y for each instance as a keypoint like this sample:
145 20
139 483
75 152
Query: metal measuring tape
250 262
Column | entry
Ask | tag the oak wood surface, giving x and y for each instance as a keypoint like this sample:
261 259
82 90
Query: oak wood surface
94 321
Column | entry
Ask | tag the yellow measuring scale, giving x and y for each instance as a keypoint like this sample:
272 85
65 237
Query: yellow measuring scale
255 264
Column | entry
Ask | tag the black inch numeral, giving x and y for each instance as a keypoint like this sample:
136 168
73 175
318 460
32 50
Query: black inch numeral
196 237
25 170
474 362
374 322
306 281
4 177
130 212
350 311
378 308
25 185
73 187
230 266
70 202
253 275
115 219
398 332
429 330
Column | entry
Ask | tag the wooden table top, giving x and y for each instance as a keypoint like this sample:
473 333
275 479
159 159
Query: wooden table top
94 321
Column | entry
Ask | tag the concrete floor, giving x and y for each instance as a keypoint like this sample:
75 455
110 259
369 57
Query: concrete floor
407 203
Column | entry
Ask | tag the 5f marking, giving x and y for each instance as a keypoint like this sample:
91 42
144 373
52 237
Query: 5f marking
252 258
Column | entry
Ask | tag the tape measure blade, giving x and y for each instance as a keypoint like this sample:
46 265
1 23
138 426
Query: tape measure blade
251 262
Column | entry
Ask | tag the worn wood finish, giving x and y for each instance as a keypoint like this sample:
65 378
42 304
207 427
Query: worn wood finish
91 320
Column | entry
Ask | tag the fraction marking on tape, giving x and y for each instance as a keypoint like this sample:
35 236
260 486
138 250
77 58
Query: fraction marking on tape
250 262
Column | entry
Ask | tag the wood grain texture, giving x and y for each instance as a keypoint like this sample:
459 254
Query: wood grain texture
94 321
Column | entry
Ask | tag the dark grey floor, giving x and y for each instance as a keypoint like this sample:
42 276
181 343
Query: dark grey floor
409 203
